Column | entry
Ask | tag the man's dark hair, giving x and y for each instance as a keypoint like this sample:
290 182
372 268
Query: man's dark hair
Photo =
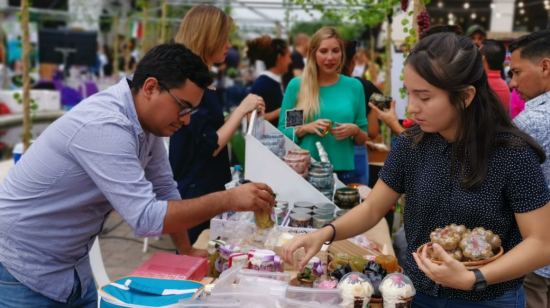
171 65
534 46
495 54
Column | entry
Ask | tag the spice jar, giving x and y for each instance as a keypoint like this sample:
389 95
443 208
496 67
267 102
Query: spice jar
213 253
265 261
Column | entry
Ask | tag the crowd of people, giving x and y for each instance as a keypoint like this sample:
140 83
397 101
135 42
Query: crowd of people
465 160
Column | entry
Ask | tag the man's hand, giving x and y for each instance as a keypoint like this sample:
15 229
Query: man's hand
255 197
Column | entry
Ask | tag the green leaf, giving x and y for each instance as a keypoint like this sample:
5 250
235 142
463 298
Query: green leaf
427 2
405 29
405 54
403 95
401 77
404 21
411 13
16 95
412 32
34 106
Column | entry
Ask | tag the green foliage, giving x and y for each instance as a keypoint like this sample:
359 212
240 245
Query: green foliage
372 14
33 106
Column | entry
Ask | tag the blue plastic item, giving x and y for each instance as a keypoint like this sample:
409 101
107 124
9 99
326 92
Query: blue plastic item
148 292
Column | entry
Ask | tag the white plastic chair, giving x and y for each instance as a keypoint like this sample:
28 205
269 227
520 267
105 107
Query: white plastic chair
98 268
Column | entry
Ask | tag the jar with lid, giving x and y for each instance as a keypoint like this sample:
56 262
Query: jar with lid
213 253
265 261
225 253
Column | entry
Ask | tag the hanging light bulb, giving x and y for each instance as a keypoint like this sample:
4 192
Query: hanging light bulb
526 19
451 16
474 16
522 11
498 14
483 18
466 5
520 4
493 6
451 22
547 7
546 2
440 4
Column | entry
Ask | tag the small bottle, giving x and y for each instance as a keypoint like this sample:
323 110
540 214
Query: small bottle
238 174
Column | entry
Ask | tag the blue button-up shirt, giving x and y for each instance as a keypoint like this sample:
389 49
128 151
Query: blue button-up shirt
54 201
535 120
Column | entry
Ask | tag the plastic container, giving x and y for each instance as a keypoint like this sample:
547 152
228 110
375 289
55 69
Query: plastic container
356 290
291 303
201 303
172 266
324 296
269 275
397 291
17 152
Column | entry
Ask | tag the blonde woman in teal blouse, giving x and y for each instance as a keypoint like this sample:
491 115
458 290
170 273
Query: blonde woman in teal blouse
327 97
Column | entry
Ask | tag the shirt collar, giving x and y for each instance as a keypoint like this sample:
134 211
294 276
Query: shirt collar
125 93
537 101
272 76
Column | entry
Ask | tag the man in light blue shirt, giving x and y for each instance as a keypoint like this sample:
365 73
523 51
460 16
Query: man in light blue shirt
105 154
530 66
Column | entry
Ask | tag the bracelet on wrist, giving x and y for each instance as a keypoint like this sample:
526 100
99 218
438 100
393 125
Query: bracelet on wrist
333 234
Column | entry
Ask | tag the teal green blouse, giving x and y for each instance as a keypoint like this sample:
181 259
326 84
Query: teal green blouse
342 102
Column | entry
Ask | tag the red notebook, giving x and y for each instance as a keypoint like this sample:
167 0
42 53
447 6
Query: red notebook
171 266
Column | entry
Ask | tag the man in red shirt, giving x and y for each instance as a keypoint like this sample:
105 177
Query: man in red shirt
494 54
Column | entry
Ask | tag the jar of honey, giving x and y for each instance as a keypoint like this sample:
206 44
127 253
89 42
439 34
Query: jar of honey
388 262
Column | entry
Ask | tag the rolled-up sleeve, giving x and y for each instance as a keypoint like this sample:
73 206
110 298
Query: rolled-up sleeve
107 150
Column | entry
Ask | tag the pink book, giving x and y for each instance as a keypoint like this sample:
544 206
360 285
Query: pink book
171 266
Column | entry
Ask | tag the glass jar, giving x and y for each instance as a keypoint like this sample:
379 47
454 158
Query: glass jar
265 261
225 252
213 253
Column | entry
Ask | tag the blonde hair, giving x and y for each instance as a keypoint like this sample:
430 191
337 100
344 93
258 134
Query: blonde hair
308 96
204 30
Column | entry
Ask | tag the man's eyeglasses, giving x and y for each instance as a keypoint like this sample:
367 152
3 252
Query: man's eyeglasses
185 108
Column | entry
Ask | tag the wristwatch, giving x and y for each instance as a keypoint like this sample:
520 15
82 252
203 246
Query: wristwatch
480 284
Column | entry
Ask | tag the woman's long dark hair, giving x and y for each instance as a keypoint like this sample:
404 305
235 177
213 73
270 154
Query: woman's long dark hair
452 63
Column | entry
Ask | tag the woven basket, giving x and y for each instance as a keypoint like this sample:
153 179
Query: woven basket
468 265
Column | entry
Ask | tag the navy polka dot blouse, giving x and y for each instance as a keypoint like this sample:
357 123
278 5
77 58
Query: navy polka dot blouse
514 184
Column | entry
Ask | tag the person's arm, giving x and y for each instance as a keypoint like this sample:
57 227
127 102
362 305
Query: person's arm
389 117
373 126
226 132
363 217
270 116
106 149
184 246
184 214
357 221
527 195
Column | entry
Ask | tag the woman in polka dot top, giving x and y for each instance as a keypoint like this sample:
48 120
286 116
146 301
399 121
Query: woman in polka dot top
466 163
